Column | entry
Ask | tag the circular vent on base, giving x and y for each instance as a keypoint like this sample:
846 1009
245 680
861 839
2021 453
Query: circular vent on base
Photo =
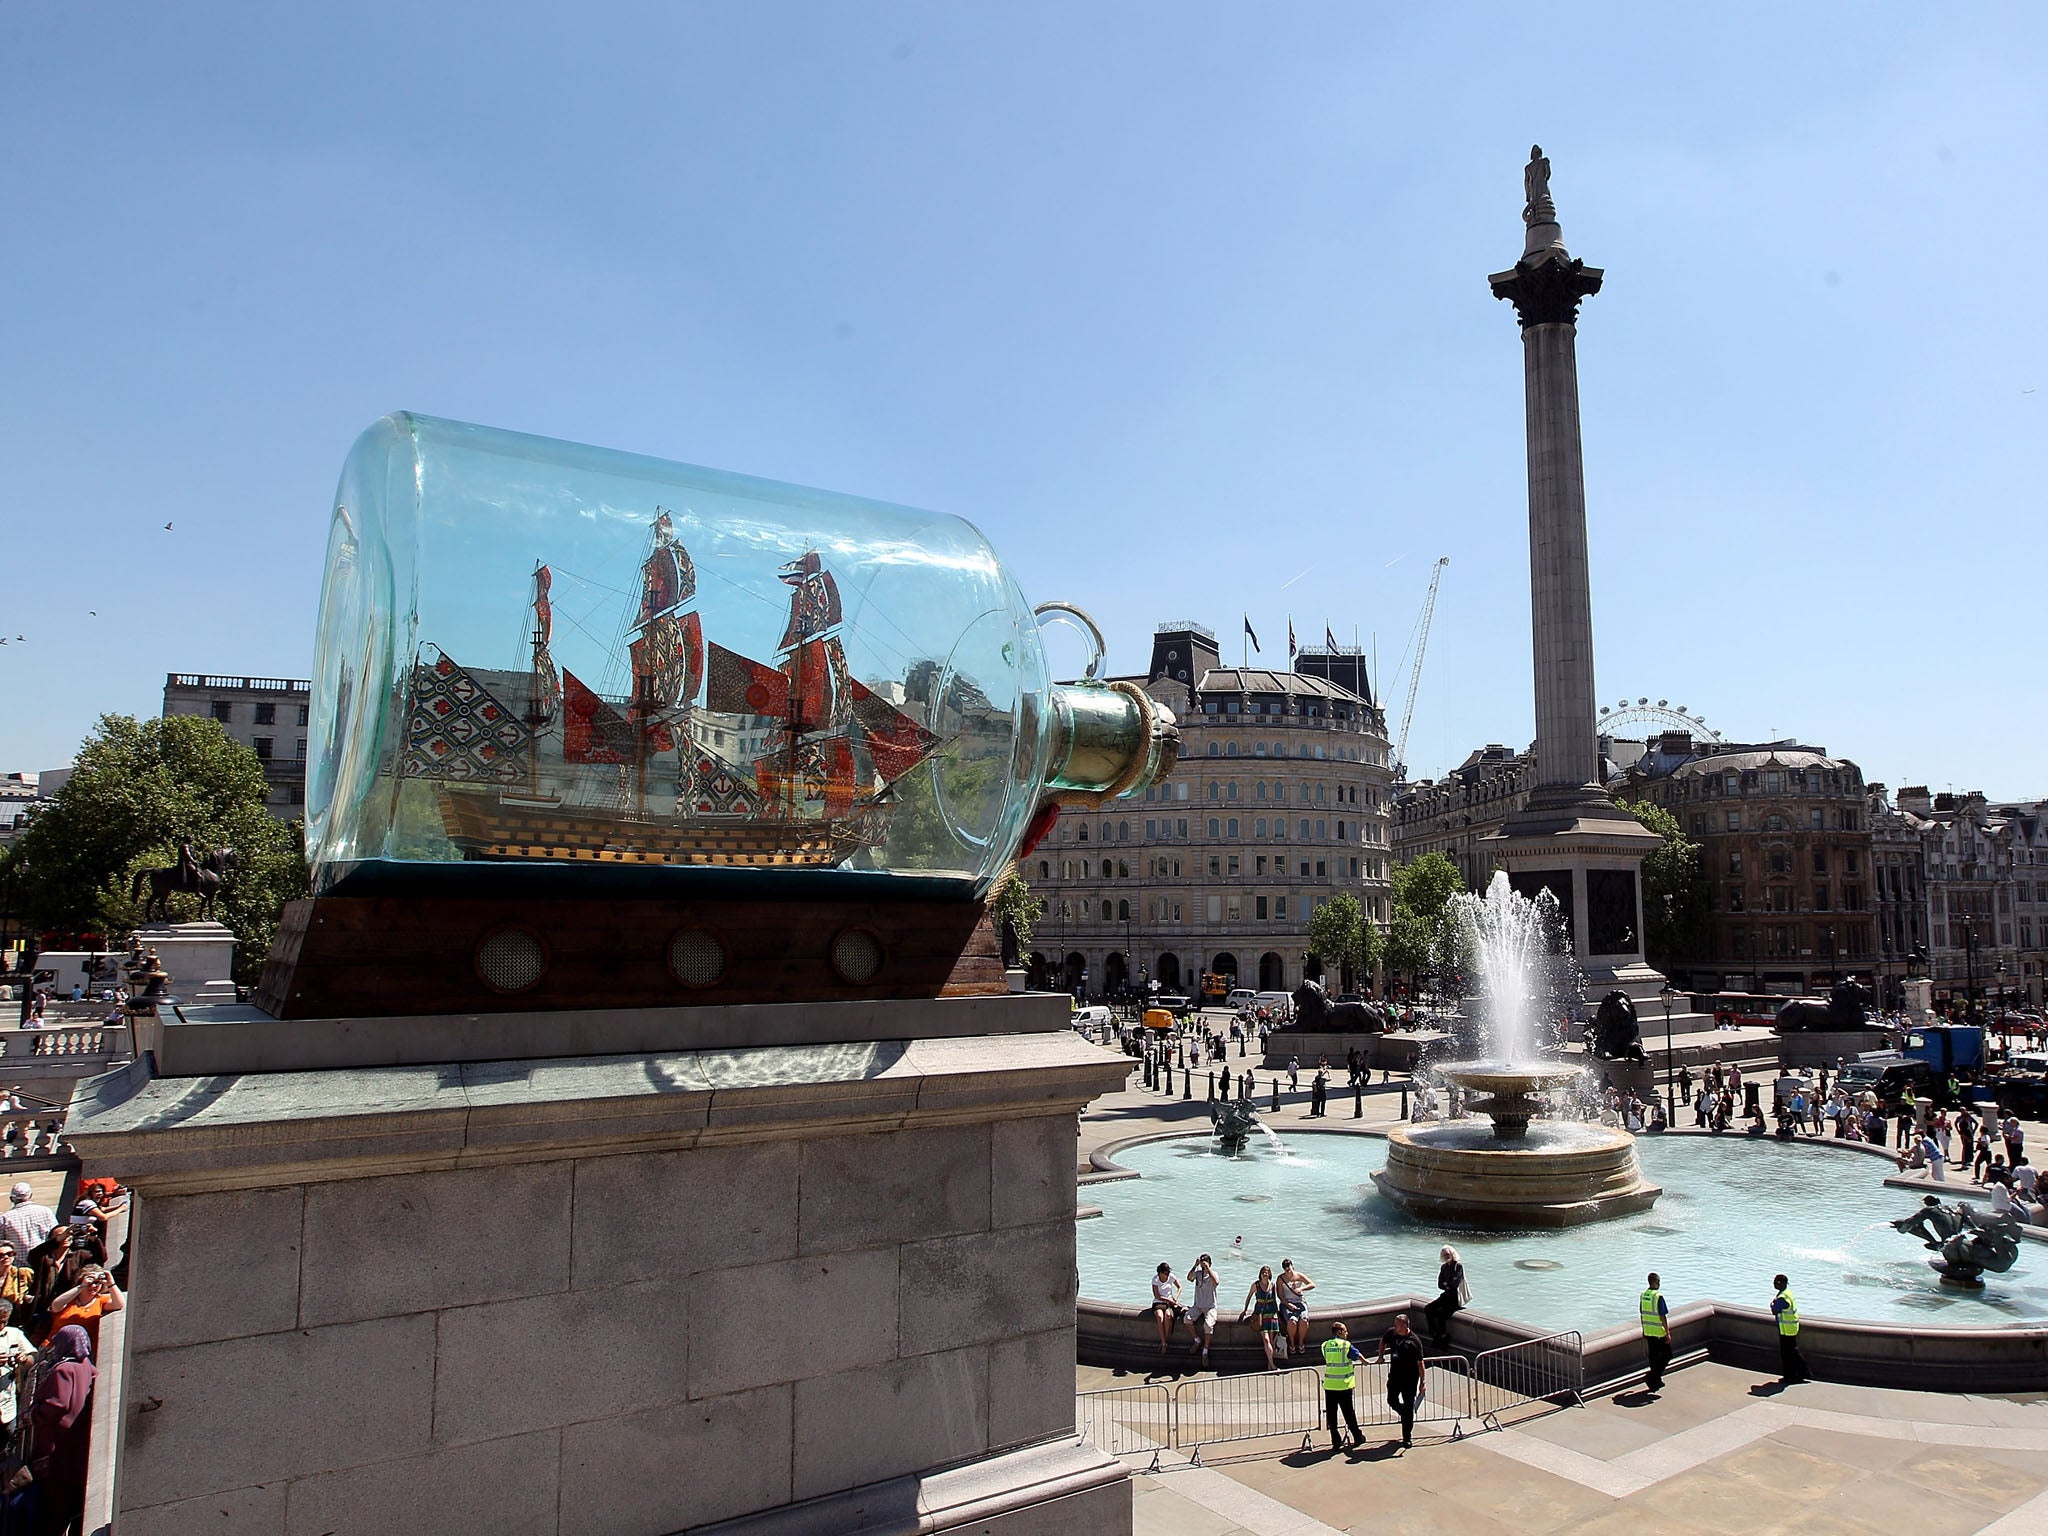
511 961
857 955
695 958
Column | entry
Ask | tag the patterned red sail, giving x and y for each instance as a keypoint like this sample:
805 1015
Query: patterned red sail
896 742
592 731
736 685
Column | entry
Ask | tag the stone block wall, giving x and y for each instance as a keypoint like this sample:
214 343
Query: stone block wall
629 1343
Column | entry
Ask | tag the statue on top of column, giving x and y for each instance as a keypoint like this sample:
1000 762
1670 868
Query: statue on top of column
1538 208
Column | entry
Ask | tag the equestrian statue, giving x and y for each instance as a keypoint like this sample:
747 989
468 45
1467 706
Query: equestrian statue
193 875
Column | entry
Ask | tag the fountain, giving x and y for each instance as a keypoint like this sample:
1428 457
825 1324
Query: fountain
1234 1120
1512 1174
1969 1242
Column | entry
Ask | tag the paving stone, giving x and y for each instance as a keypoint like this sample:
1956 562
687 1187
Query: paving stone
185 1244
506 1487
1029 1391
511 1366
887 1420
706 1208
1031 1171
257 1511
423 1241
779 1322
205 1416
893 1187
621 1476
987 1286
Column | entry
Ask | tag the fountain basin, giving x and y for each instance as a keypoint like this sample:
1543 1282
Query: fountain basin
1554 1176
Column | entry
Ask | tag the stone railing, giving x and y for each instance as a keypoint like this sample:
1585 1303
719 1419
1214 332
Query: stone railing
101 1041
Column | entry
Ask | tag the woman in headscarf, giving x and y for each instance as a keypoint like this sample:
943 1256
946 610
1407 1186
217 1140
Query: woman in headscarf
61 1423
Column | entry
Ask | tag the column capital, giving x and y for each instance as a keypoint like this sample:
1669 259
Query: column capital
1546 291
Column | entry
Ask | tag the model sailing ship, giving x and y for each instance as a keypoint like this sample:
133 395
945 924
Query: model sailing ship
499 747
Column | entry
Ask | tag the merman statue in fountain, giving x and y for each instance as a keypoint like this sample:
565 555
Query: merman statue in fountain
1969 1241
1235 1119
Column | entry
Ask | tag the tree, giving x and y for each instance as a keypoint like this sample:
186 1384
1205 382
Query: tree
1340 935
1676 912
1012 899
137 788
1423 889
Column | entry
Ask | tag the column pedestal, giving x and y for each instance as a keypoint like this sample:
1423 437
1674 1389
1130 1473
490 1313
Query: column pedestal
648 1293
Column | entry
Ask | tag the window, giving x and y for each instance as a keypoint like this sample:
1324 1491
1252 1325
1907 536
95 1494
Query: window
1233 909
1820 898
263 745
223 711
1279 906
298 794
1123 831
1123 911
1817 818
1231 865
1259 907
305 714
1322 829
1215 909
1734 898
1180 827
1778 861
266 714
1304 831
1151 829
1259 865
1215 827
1321 870
1215 868
1849 861
1082 834
1231 792
1304 869
1734 821
1105 911
1259 827
1230 750
1215 790
1213 748
301 754
1262 789
1735 861
1820 861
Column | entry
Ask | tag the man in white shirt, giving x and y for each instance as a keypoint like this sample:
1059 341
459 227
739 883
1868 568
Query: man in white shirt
15 1352
1201 1315
26 1223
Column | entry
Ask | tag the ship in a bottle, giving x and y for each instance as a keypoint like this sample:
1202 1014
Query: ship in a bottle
709 757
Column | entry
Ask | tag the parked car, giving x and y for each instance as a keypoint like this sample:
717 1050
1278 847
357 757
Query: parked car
1172 1002
1241 997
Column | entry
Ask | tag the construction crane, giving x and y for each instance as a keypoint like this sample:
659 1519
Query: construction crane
1415 674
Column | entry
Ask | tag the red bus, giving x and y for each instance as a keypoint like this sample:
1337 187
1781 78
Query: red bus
1735 1010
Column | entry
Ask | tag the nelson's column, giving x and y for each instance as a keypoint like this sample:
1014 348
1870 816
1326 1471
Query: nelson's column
1571 837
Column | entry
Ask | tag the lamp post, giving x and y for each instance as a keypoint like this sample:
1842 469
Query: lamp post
1667 995
1970 969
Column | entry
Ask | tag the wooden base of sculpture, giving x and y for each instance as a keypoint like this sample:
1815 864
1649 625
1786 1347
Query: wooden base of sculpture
383 955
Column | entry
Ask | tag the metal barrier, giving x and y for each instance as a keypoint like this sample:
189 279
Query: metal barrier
1215 1409
1549 1369
1126 1421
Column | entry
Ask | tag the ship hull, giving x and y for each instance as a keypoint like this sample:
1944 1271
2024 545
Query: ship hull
486 827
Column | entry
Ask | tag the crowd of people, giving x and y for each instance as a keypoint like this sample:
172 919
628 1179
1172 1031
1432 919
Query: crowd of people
56 1285
1276 1307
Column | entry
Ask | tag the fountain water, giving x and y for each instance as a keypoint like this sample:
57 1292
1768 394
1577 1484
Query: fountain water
1556 1173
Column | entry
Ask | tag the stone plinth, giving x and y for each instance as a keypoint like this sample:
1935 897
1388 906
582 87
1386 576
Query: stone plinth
198 957
629 1293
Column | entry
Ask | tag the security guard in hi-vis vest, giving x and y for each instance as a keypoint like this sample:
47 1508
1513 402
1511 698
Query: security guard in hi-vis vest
1341 1361
1791 1364
1656 1320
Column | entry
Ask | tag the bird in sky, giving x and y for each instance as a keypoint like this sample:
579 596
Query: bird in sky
92 613
167 527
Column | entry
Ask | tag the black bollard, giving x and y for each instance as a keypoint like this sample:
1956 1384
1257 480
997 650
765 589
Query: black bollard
1240 1045
1404 1101
1212 1087
1187 1084
1357 1102
1276 1095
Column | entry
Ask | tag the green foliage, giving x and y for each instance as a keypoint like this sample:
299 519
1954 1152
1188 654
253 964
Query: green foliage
1012 898
1423 889
1675 928
1336 934
138 787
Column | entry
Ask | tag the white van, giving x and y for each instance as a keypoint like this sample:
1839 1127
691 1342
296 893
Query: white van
1278 1003
1093 1016
1241 997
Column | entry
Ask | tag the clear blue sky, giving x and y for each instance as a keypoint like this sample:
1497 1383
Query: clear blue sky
1179 302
